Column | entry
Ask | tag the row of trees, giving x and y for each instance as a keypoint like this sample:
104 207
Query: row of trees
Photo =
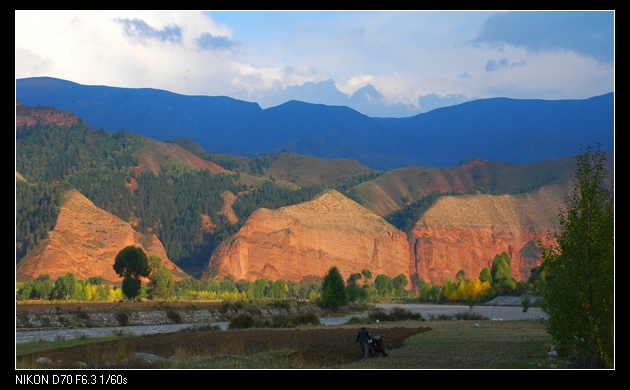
359 287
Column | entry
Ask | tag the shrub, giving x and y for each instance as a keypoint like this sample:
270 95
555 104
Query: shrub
244 321
469 316
397 314
173 315
378 315
307 318
359 321
284 304
122 318
81 314
404 314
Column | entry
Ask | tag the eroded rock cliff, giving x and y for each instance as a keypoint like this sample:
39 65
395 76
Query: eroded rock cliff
307 239
467 232
85 241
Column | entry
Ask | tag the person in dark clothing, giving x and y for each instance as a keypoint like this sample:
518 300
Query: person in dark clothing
362 341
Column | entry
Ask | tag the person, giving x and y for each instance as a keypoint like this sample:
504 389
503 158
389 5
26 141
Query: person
362 341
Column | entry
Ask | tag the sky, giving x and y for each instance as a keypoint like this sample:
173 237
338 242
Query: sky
380 63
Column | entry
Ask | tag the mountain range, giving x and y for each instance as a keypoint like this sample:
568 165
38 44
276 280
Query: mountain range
498 129
82 193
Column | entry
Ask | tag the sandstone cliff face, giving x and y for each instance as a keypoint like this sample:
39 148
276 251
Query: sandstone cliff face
85 241
309 238
467 232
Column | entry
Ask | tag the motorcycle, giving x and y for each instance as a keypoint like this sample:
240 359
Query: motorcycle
375 345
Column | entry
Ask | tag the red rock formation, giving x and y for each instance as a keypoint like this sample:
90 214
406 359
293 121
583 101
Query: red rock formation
467 232
29 116
307 239
85 241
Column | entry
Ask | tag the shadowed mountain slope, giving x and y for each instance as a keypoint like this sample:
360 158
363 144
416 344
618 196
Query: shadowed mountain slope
499 129
153 113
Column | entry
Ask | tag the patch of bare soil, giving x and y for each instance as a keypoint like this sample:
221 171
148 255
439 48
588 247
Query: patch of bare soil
314 347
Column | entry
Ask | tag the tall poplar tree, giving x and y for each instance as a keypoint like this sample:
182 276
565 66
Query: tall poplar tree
579 268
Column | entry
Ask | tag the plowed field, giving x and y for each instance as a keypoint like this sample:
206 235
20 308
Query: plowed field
298 348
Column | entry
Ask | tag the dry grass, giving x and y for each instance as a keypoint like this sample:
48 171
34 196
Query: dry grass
461 345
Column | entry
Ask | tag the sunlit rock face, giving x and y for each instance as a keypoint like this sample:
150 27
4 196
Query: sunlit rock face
308 238
467 232
85 241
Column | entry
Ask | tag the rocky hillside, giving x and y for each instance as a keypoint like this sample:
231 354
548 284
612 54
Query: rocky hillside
153 154
395 189
85 241
466 232
30 116
308 238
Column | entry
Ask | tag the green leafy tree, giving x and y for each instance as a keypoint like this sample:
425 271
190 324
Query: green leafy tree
460 276
334 289
384 285
65 286
400 282
354 291
131 264
485 276
579 267
162 282
502 274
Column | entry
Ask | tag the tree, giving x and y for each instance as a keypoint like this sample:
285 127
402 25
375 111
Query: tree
131 264
162 282
400 282
579 267
65 286
384 285
460 276
485 276
502 274
334 289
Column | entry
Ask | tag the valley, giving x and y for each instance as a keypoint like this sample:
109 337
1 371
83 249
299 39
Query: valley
281 216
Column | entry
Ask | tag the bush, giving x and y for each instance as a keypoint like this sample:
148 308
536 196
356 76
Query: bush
359 321
81 314
284 304
307 318
379 315
122 318
404 314
397 314
173 315
244 321
469 316
460 316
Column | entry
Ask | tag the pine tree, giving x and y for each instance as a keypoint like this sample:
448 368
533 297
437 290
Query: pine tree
334 289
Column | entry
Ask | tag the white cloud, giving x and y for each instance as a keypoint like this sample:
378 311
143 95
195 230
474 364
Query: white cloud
255 56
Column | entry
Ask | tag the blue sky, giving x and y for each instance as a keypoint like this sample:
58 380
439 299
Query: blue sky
388 64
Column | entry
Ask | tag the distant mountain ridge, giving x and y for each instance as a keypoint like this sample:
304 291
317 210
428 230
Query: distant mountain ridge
499 129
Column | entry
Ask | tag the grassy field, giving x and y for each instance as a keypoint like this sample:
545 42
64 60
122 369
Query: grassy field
461 345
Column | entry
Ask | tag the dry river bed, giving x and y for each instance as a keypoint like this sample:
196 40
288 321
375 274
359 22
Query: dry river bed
497 313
